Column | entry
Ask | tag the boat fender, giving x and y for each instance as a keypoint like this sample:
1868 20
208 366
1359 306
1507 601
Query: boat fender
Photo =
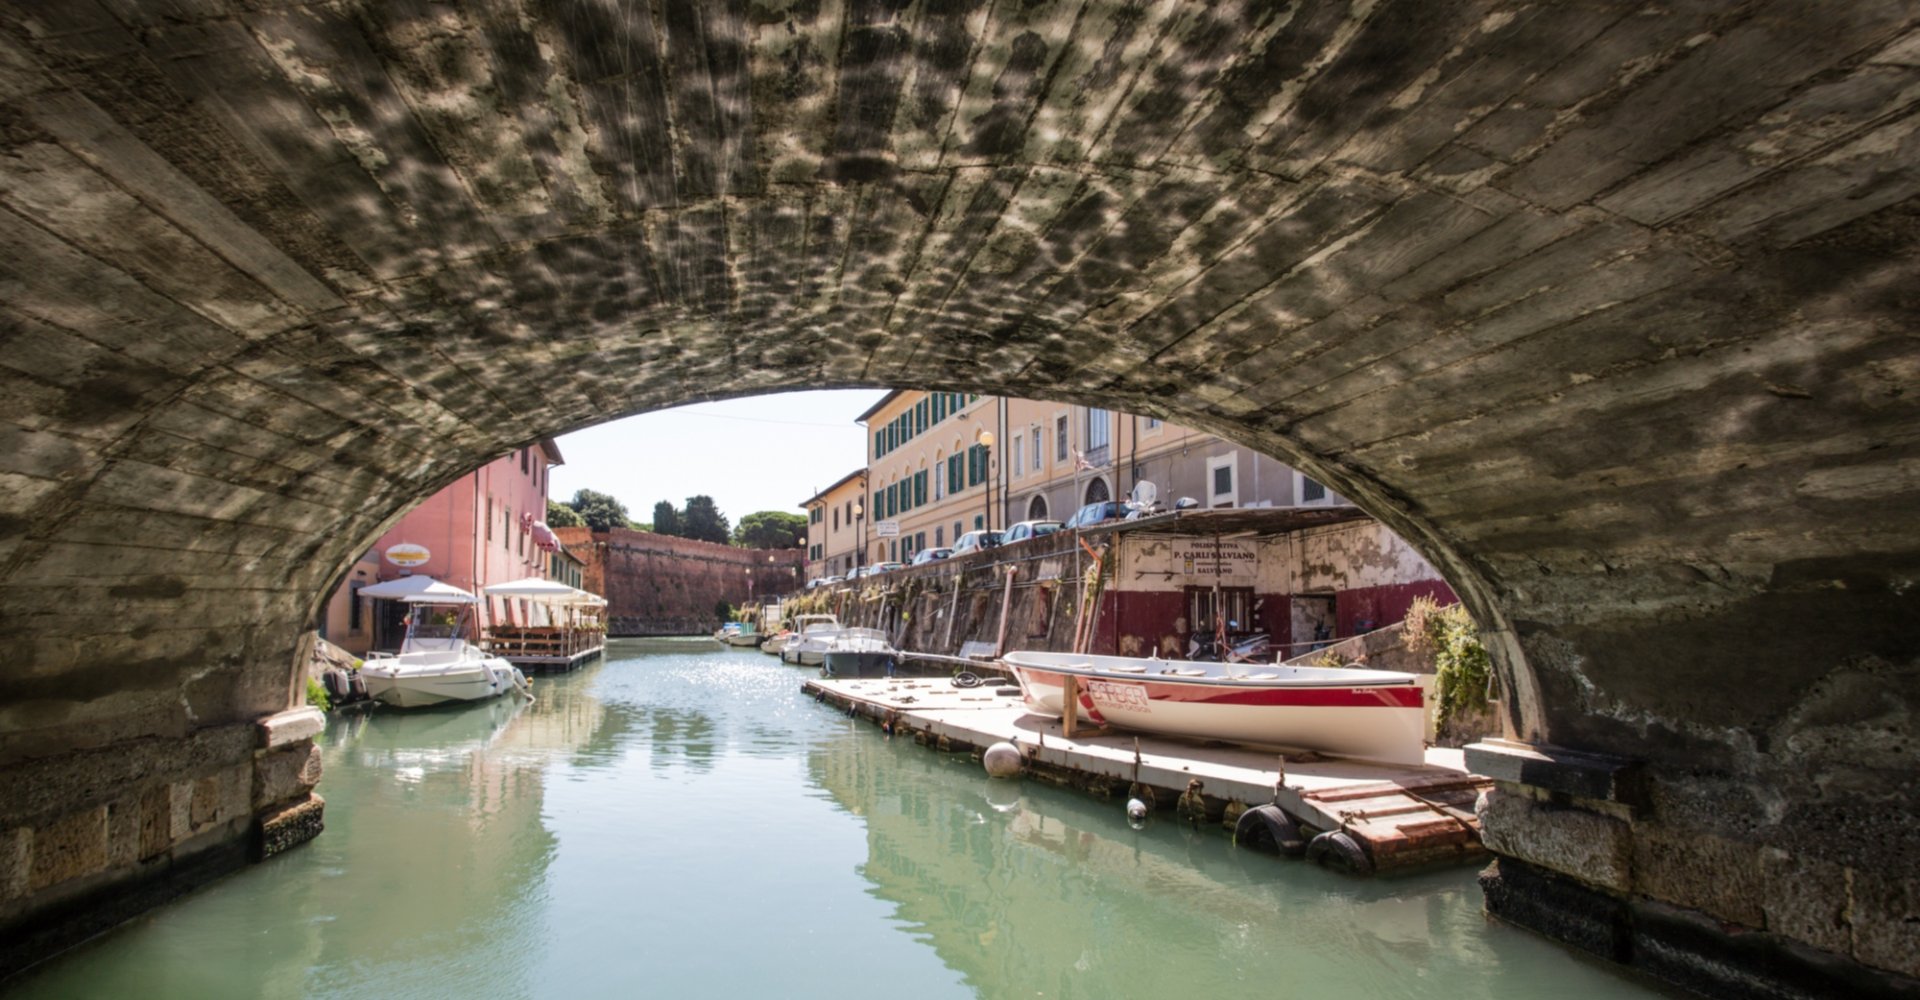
1230 816
1339 849
966 679
1144 793
1269 828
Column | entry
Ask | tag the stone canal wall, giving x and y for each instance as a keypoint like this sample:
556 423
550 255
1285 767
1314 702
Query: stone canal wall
662 585
89 839
1043 593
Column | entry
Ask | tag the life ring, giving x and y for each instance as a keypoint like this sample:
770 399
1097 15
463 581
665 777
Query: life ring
967 679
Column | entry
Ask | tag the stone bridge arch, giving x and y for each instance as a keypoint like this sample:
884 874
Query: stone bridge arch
1607 306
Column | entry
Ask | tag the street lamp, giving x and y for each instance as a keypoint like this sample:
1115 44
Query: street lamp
985 439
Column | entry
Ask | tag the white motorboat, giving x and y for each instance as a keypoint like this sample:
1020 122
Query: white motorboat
436 664
808 644
737 634
860 652
1373 714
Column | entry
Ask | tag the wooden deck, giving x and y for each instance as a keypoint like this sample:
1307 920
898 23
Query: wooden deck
1404 816
545 648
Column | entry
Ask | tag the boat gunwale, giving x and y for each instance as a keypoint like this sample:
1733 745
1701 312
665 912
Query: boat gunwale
1378 678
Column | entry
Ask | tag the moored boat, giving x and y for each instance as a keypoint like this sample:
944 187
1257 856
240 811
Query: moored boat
737 634
808 645
860 652
436 664
1373 714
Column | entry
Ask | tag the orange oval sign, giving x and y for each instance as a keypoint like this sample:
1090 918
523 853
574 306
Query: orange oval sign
408 554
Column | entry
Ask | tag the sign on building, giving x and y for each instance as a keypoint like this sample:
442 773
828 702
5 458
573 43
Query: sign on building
886 529
408 554
1230 561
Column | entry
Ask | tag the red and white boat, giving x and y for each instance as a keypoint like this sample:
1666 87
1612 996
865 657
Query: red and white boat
1374 714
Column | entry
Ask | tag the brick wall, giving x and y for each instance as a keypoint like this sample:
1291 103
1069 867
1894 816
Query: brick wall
661 585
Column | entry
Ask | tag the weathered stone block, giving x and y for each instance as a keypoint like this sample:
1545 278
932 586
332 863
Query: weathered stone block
16 862
1584 775
291 727
206 802
1574 842
123 832
1560 908
1724 878
285 774
69 847
1807 900
180 811
291 825
156 821
1886 922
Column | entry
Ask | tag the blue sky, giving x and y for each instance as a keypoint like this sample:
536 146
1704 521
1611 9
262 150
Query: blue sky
753 454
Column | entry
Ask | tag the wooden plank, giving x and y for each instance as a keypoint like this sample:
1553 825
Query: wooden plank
1069 704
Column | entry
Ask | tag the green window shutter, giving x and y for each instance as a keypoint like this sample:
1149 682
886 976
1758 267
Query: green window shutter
920 487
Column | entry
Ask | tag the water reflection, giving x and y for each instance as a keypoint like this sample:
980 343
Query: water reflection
680 821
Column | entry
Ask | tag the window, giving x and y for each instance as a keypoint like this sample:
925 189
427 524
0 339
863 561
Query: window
1097 491
506 527
1018 459
1060 438
489 517
919 541
1037 508
1149 424
523 461
920 488
939 407
354 616
954 482
1221 491
836 520
939 476
1036 449
1099 430
879 443
939 535
920 417
1312 491
1236 604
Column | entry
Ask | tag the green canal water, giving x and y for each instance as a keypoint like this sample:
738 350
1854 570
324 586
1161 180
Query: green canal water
680 822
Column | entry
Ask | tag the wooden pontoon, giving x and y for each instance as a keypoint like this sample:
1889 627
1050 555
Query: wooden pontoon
574 630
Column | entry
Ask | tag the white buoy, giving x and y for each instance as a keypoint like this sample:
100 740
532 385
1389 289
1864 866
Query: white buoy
1136 813
1003 760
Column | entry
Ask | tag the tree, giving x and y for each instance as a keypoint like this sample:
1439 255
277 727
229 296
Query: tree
560 515
600 511
666 520
704 521
771 529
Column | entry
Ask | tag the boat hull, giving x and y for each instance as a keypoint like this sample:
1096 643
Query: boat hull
405 686
1374 715
860 663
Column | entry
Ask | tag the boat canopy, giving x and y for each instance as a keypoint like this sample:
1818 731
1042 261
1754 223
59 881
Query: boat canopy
419 590
549 591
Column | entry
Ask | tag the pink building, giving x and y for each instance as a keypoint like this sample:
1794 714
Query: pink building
486 527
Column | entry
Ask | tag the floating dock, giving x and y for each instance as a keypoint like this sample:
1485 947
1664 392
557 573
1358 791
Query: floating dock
1402 816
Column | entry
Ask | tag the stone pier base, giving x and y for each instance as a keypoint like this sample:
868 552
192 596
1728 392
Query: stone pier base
1590 854
90 839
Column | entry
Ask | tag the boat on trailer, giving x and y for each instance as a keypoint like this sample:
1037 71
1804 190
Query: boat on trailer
1371 714
436 663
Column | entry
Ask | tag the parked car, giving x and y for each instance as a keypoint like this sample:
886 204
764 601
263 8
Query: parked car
1095 513
925 556
1030 529
975 541
882 567
822 581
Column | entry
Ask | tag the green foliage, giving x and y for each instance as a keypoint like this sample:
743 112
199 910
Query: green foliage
725 611
771 529
560 515
1463 670
702 520
666 519
600 511
317 695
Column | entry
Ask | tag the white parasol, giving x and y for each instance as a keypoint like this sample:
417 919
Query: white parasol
419 590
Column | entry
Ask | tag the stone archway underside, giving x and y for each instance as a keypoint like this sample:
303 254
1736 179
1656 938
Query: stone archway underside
1609 306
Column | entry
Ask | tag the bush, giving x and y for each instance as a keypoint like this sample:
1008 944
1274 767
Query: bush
317 695
1463 671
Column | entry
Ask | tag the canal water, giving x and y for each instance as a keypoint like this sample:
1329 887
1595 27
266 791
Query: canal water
680 821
